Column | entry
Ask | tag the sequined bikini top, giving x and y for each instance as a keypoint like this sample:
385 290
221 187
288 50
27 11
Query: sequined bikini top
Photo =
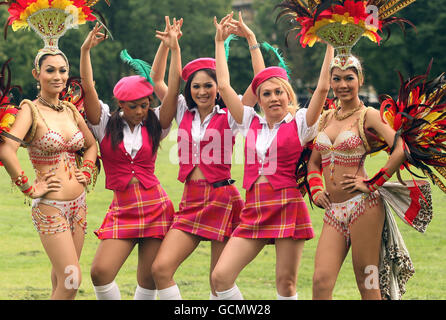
347 150
52 147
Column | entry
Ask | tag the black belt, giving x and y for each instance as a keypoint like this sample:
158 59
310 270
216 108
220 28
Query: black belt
223 183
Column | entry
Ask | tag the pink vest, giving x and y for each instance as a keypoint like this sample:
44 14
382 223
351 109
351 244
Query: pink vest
213 156
281 159
119 166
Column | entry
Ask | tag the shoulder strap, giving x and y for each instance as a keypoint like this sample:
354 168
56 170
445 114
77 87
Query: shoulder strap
32 132
361 128
73 109
324 118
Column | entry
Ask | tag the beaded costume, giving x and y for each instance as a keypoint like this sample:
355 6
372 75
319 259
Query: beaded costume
341 24
50 19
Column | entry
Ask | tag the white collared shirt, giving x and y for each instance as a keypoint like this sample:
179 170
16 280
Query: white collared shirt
267 135
198 127
132 140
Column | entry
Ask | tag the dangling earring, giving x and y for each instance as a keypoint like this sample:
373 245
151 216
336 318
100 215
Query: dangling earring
38 86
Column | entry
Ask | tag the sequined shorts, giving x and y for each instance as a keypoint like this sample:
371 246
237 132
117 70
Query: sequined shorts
68 215
342 215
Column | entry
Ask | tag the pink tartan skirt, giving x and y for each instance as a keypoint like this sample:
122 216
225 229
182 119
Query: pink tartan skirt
137 213
274 214
208 212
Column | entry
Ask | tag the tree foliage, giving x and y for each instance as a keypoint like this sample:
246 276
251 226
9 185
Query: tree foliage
133 24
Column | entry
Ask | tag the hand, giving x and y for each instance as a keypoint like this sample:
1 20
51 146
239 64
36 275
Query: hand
241 29
322 200
354 183
172 33
45 184
94 38
224 28
81 178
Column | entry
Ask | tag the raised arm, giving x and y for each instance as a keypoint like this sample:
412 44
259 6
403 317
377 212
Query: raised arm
258 64
323 86
160 62
169 38
91 99
230 97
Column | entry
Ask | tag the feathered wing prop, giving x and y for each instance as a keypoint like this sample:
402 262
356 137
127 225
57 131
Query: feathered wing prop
141 67
74 93
419 117
8 110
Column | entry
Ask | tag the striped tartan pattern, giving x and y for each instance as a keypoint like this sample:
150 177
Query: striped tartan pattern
273 214
137 213
208 212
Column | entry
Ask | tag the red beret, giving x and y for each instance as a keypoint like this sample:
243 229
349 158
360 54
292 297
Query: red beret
132 88
197 64
268 73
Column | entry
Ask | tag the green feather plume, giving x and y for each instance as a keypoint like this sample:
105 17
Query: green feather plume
141 67
227 41
282 62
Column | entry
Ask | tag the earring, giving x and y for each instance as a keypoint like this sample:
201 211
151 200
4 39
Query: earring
38 86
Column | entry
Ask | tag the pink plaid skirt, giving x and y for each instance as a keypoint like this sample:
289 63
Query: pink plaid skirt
273 214
211 213
137 213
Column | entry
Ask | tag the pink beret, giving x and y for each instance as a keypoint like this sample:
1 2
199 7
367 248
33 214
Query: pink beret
197 64
266 74
132 88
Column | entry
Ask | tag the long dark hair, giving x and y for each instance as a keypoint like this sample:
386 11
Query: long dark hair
115 128
187 92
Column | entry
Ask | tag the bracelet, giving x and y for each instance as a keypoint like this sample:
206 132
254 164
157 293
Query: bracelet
316 184
23 184
254 46
89 169
378 180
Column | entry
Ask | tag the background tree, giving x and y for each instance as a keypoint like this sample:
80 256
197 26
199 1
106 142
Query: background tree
133 24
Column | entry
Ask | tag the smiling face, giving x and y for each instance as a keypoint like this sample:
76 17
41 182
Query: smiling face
53 74
273 99
135 111
345 84
203 90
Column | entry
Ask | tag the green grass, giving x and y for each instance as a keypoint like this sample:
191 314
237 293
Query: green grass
25 268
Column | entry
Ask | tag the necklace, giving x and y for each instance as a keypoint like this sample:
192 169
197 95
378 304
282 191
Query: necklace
58 107
348 114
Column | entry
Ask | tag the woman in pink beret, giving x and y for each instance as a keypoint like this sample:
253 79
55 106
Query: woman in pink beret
211 203
141 212
275 211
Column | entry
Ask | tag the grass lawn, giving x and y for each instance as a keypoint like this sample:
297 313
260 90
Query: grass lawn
25 268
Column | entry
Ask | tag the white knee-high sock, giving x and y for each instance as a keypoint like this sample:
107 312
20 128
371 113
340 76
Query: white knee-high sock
295 297
231 294
144 294
171 293
107 292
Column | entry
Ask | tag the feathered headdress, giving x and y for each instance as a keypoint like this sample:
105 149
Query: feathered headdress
50 19
341 23
141 67
418 116
278 54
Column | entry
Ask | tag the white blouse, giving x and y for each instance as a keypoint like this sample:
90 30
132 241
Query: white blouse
198 127
267 135
132 140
